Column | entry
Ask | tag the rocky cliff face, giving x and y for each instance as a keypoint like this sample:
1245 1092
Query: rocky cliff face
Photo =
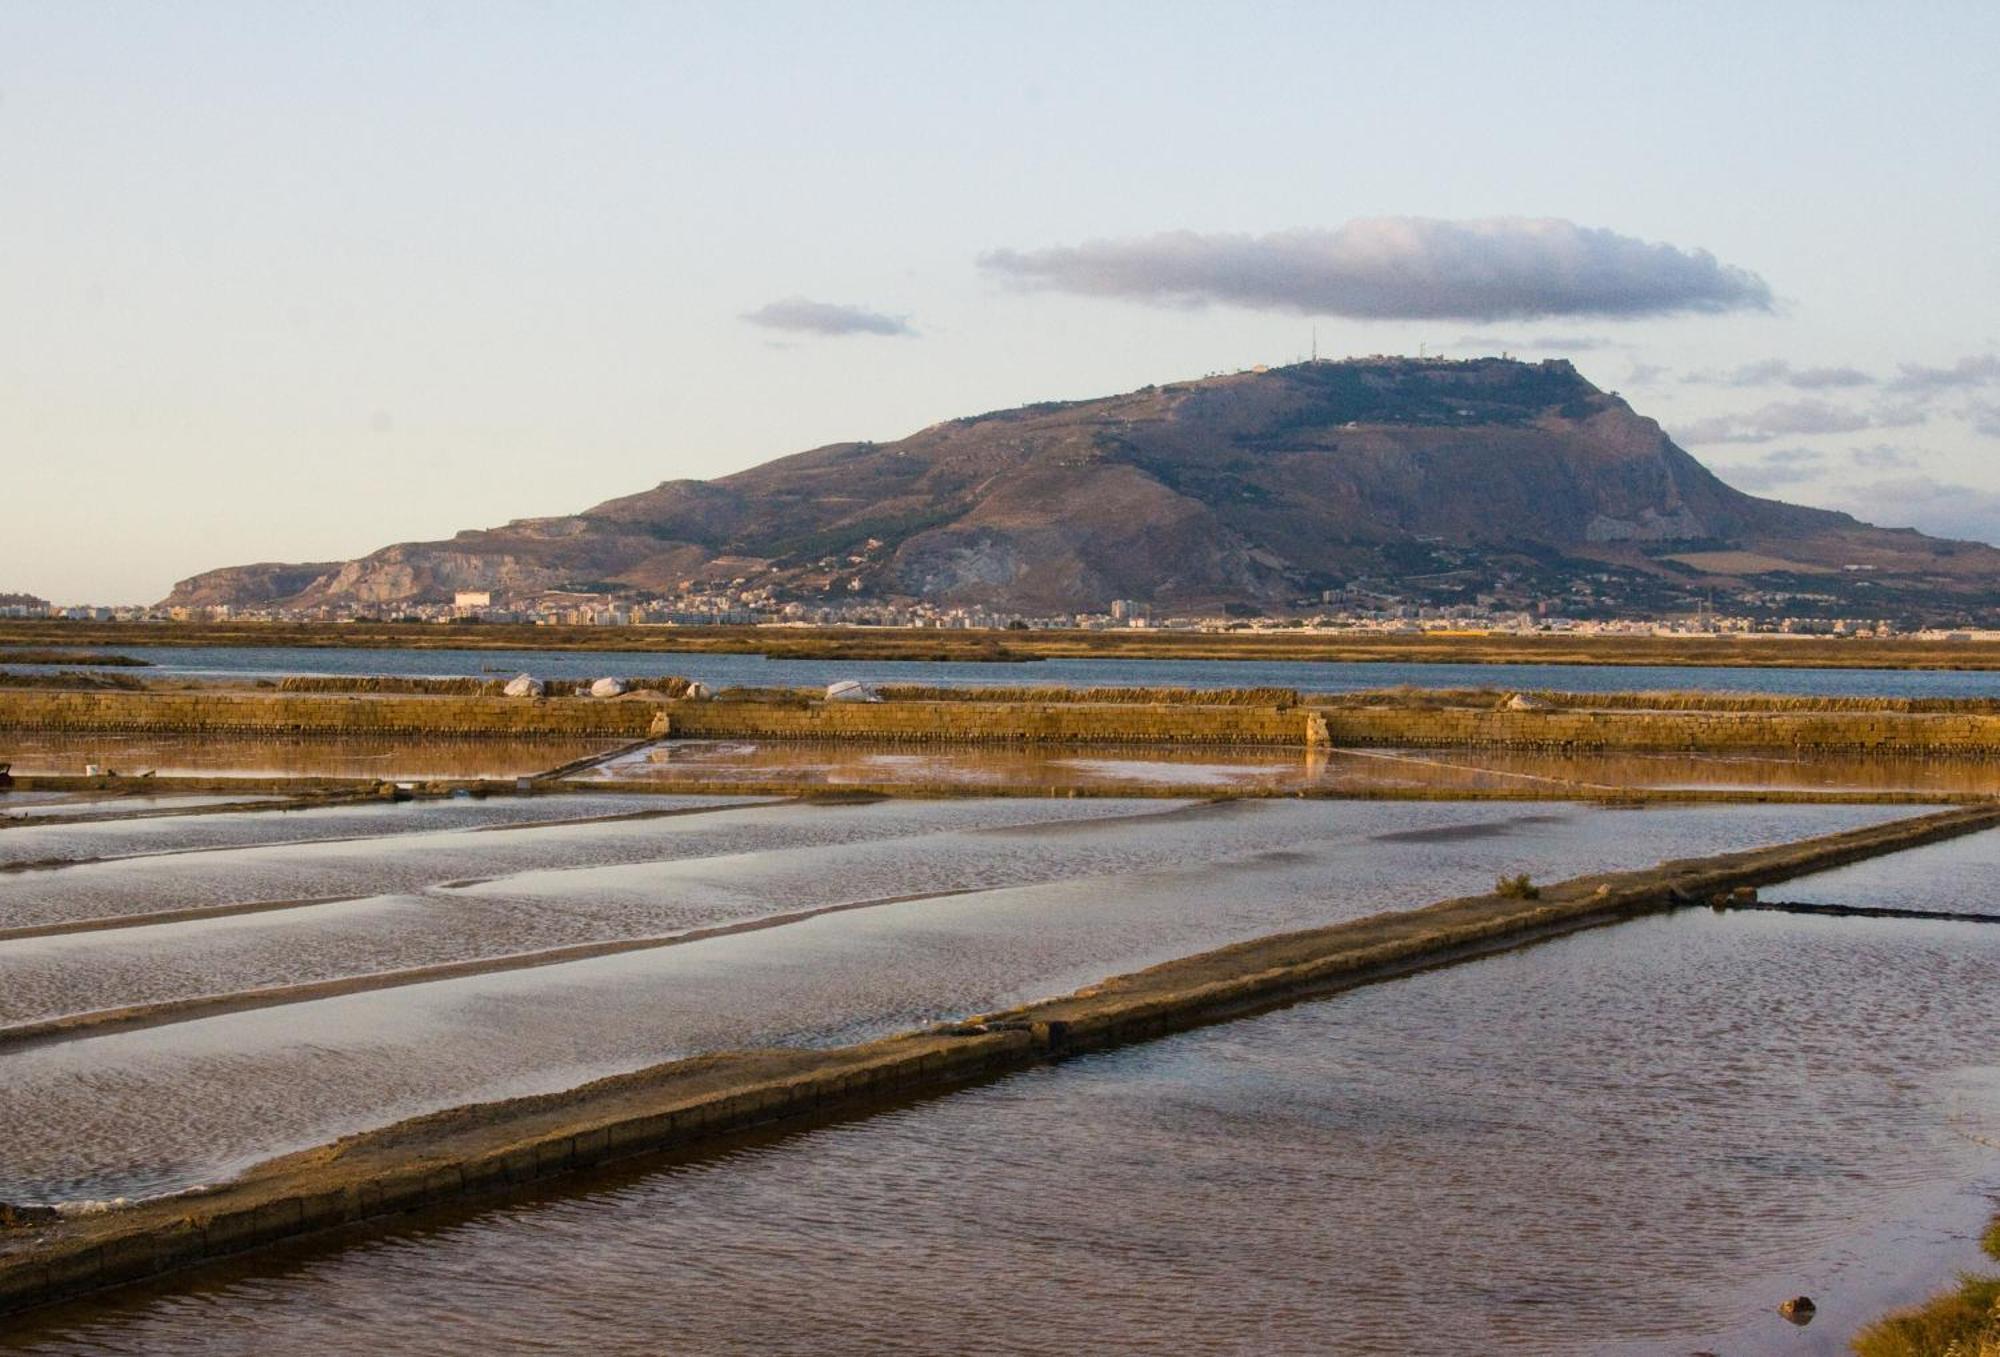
1257 489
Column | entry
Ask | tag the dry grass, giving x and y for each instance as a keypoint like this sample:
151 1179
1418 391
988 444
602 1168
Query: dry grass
1520 887
1187 697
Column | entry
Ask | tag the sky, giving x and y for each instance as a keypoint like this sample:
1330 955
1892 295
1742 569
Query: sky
292 282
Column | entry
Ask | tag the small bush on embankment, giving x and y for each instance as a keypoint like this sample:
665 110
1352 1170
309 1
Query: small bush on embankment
1960 1323
1178 697
95 657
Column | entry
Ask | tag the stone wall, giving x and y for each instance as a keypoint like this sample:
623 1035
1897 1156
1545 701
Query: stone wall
989 722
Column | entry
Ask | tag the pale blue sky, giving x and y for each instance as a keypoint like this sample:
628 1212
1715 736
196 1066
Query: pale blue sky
292 281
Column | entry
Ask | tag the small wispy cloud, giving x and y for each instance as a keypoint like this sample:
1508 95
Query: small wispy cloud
1976 371
1984 417
1941 508
801 315
1557 344
1782 467
1509 268
1780 419
1778 372
1883 457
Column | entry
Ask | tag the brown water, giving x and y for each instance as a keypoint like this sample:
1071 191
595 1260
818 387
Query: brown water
963 906
698 762
391 758
1632 1141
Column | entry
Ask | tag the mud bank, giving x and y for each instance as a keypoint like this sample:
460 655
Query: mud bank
693 1104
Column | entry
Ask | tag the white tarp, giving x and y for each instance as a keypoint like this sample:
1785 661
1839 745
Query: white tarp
850 690
696 692
524 685
608 687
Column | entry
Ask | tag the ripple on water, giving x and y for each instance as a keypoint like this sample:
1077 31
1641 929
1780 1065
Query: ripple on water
1628 1141
152 1110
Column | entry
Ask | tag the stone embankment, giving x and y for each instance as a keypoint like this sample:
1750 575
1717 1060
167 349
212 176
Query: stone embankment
454 1157
1954 734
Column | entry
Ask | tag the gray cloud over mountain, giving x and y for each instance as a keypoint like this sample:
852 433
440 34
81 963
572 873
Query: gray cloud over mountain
1785 466
1942 508
1399 268
1779 419
1557 344
800 315
1883 457
1976 371
1778 372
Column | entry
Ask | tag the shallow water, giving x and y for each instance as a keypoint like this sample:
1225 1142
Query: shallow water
1351 771
720 671
153 1110
1630 1141
308 856
75 805
389 758
157 838
1960 876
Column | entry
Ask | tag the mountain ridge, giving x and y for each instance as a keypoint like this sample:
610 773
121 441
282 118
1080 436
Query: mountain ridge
1260 490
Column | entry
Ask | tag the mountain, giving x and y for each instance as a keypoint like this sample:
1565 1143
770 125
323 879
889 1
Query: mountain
1434 480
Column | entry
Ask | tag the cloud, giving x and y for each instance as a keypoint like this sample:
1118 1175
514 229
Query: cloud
1978 370
1534 343
1883 457
1776 420
1984 417
800 315
1778 372
1942 508
1647 374
1786 466
1412 268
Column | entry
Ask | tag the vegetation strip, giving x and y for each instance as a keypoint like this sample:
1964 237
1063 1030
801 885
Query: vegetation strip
490 1148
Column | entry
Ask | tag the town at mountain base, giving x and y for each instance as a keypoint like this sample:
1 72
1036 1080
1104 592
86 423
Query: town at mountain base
1368 485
